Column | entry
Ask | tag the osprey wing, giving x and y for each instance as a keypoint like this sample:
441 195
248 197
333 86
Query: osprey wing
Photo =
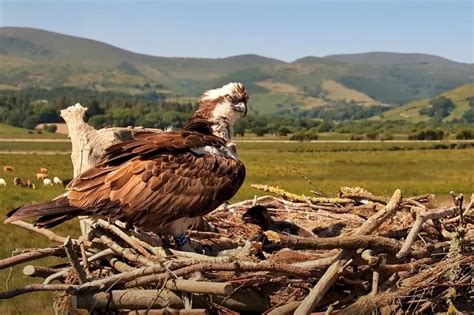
159 178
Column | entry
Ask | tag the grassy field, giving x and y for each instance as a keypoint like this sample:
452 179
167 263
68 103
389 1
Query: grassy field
7 131
379 167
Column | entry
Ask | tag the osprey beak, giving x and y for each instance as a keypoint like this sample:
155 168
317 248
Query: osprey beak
241 107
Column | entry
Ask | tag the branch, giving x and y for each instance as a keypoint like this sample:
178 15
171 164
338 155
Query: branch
32 255
422 218
129 240
127 299
124 252
214 267
295 197
38 271
33 288
334 271
345 242
71 254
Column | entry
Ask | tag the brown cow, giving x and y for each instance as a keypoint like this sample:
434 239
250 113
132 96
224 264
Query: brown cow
41 176
44 170
23 183
8 168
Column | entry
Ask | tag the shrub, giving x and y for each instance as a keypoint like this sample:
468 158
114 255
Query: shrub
386 136
372 135
305 135
51 128
465 135
357 137
428 134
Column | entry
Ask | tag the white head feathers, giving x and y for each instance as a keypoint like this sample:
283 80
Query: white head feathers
228 89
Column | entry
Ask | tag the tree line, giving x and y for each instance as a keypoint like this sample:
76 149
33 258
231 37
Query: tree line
27 108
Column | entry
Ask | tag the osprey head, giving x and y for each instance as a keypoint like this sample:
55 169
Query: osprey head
222 107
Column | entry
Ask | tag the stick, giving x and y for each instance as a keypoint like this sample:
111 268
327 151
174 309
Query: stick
71 254
325 282
286 309
422 218
295 197
334 271
214 267
345 242
33 288
203 287
127 299
38 271
31 255
124 252
129 240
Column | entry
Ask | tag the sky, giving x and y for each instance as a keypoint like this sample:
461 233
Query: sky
281 29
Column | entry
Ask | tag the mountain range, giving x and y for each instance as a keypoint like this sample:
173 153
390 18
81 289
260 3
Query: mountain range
37 58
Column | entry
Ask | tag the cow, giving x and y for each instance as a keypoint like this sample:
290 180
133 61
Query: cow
41 176
23 183
44 170
3 182
47 182
8 168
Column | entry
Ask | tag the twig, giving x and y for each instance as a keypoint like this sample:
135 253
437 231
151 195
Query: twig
33 288
71 254
32 254
124 252
129 240
44 232
422 218
301 198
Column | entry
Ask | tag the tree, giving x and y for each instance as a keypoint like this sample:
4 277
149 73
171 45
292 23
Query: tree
440 108
465 135
51 128
428 134
283 131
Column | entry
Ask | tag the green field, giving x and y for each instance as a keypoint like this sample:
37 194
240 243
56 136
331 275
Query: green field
7 131
379 167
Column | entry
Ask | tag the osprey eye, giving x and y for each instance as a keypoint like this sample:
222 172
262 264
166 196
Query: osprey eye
228 97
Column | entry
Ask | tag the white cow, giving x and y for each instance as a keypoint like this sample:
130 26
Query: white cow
47 182
3 182
57 181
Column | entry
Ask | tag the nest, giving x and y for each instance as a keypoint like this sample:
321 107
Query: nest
353 254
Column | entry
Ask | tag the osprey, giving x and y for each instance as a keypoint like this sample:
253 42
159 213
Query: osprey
160 182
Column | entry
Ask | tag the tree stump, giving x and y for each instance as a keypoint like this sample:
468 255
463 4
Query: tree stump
89 144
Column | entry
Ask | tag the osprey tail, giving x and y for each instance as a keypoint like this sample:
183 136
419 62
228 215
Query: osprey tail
50 213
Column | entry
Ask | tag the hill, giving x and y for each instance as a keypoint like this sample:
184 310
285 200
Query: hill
37 58
413 111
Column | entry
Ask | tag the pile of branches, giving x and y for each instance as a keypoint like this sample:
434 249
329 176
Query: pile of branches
353 254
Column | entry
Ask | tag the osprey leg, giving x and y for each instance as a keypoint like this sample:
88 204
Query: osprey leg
178 229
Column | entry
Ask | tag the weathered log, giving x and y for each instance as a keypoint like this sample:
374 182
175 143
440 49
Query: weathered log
38 271
127 299
89 144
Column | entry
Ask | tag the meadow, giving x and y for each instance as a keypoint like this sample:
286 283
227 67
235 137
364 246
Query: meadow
415 167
